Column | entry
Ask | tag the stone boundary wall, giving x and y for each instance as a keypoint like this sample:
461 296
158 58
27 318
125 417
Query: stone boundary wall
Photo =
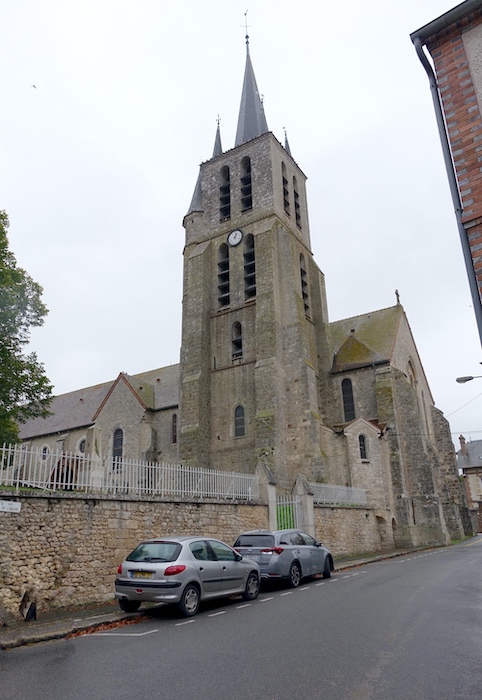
64 549
347 530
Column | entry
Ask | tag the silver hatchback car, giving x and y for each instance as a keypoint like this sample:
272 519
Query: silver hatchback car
285 554
185 571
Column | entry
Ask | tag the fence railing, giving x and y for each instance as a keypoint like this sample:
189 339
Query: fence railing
288 512
66 471
326 494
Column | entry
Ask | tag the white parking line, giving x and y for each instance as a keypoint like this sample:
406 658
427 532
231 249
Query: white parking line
220 612
263 600
319 584
186 622
305 588
245 605
287 593
122 634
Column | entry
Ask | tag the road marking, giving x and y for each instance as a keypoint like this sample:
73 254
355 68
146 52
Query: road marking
245 605
474 561
220 612
472 543
287 593
305 588
319 584
186 622
263 600
122 634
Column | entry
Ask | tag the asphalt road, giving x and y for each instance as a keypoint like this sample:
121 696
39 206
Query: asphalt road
407 628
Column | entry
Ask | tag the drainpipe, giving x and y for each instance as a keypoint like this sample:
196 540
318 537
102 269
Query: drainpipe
454 190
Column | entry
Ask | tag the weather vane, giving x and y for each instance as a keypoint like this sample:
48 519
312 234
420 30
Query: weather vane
246 25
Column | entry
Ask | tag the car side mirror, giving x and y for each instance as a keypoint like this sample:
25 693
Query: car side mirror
238 557
318 544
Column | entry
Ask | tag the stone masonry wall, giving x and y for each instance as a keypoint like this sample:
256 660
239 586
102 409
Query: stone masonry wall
347 531
65 549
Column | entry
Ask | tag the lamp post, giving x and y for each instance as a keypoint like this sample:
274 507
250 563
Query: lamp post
462 380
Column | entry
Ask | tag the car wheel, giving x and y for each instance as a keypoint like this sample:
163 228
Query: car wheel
294 577
190 600
129 605
327 568
252 587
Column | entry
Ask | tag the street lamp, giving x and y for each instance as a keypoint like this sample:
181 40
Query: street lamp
462 380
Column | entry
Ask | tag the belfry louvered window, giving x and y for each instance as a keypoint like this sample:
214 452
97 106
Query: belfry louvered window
174 429
246 190
296 196
239 425
225 195
304 284
348 402
223 275
237 340
286 194
249 267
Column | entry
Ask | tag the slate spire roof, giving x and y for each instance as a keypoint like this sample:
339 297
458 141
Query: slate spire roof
251 120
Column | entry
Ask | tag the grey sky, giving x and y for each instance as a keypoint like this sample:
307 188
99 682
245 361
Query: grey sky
99 160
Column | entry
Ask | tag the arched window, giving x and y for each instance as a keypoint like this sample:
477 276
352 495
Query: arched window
45 451
362 444
348 402
237 340
246 191
296 196
304 284
239 426
223 275
81 446
174 429
117 446
225 195
249 267
286 194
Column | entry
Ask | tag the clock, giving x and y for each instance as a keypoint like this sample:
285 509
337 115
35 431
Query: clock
235 237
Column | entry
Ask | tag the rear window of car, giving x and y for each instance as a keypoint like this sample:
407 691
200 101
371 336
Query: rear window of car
255 541
155 551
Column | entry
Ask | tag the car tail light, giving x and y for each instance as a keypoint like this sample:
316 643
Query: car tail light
119 569
272 550
174 570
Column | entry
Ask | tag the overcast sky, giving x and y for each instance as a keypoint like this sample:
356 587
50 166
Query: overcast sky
109 107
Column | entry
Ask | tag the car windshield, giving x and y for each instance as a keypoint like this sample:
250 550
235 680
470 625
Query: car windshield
155 551
255 540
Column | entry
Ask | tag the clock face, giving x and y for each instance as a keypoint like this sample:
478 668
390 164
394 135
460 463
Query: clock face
235 237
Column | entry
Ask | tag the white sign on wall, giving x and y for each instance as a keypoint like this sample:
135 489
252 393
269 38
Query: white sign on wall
10 506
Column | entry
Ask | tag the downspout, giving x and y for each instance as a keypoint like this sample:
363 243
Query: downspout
454 190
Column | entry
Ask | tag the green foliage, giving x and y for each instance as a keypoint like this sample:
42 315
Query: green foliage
25 391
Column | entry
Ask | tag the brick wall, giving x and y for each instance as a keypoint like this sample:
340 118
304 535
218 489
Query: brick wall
457 57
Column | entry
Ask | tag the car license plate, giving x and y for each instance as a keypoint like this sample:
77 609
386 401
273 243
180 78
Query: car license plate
253 557
141 574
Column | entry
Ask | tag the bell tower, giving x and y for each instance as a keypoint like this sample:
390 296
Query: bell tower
254 309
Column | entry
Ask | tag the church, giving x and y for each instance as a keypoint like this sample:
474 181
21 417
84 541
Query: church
264 376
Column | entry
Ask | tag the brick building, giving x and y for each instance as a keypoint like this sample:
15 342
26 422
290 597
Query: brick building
264 376
454 42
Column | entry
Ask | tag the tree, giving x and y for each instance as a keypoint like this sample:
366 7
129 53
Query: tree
25 391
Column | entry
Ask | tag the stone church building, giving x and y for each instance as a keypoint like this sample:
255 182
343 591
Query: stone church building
264 376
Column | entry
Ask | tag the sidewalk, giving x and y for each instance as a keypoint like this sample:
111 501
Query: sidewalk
59 623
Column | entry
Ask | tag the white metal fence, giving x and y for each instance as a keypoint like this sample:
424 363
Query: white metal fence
289 512
61 471
338 495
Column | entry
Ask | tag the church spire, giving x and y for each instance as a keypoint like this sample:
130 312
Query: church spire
218 149
251 120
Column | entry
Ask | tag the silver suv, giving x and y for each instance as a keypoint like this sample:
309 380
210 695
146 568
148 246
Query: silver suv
285 554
